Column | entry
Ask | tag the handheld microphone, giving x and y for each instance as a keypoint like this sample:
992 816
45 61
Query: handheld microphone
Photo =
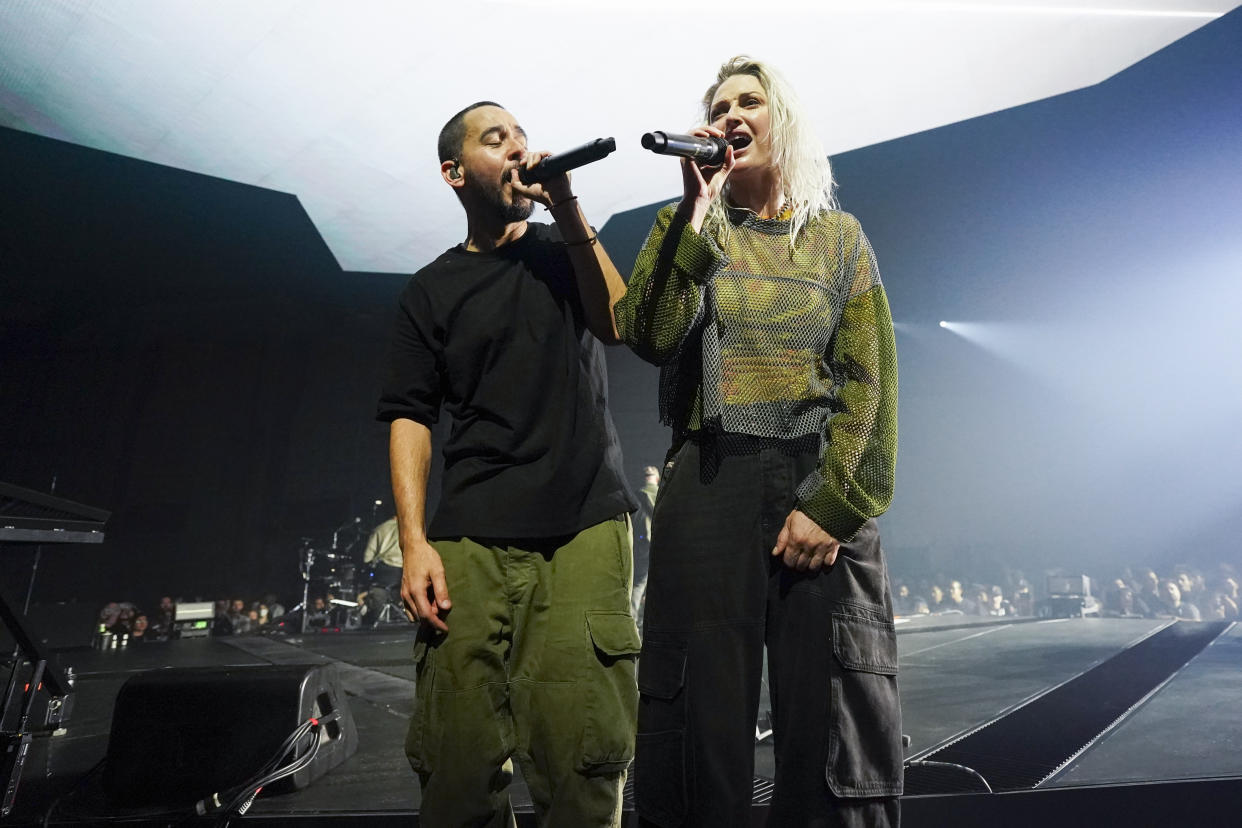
708 151
554 165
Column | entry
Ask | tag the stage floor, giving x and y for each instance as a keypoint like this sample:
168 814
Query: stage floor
956 675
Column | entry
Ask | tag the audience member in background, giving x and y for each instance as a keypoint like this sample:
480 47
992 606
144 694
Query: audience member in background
998 605
1120 601
936 602
1227 597
1186 586
1172 604
1230 586
1218 605
109 614
318 612
125 619
1148 589
239 617
1203 596
903 601
957 600
982 598
140 632
275 609
162 619
221 624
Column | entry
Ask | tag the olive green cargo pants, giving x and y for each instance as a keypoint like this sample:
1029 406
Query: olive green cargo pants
537 665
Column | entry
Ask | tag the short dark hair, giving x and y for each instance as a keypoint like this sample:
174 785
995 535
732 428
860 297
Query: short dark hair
453 133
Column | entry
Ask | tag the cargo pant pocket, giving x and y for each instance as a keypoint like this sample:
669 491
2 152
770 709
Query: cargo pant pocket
864 742
661 779
609 694
421 739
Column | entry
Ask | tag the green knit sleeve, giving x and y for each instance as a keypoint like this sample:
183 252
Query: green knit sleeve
854 480
664 297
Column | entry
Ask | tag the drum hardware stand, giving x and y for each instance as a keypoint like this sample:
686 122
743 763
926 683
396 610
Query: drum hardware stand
355 524
307 553
351 618
374 516
338 560
390 613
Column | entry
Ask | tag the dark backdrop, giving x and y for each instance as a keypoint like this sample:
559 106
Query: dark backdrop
186 352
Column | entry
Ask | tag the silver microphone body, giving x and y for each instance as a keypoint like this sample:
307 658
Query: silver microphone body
708 151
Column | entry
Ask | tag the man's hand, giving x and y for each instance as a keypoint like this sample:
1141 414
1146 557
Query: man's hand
424 592
804 545
600 286
553 191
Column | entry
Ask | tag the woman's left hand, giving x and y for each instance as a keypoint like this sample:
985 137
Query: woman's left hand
804 545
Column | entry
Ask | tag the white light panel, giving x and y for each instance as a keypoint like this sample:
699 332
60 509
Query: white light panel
340 103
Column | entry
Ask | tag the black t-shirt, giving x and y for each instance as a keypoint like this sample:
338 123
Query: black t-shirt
499 340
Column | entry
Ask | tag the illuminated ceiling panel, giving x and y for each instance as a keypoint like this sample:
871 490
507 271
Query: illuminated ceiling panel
339 103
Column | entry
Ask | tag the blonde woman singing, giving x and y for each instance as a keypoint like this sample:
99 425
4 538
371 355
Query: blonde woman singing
762 305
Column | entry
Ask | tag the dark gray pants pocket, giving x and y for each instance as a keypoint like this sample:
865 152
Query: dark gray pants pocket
864 748
660 772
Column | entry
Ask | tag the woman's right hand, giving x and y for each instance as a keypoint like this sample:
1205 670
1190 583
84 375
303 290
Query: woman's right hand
701 185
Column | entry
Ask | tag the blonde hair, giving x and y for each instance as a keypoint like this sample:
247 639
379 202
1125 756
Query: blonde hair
798 155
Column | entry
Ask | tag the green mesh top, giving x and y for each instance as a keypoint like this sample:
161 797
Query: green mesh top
755 338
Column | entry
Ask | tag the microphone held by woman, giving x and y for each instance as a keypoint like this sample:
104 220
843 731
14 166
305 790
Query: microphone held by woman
709 151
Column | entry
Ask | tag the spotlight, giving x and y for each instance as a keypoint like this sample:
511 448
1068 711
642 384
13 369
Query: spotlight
944 324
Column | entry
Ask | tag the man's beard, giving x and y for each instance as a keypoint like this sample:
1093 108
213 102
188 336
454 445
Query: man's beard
515 211
519 209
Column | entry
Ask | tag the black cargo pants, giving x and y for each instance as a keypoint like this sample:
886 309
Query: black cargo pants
715 597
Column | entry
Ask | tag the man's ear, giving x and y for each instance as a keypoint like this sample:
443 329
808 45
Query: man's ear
451 172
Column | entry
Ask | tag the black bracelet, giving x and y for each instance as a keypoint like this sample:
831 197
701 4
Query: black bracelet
588 240
552 207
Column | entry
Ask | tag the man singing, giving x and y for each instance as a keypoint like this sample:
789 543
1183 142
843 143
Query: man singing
521 582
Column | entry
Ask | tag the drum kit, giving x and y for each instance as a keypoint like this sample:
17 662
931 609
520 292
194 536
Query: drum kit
339 591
